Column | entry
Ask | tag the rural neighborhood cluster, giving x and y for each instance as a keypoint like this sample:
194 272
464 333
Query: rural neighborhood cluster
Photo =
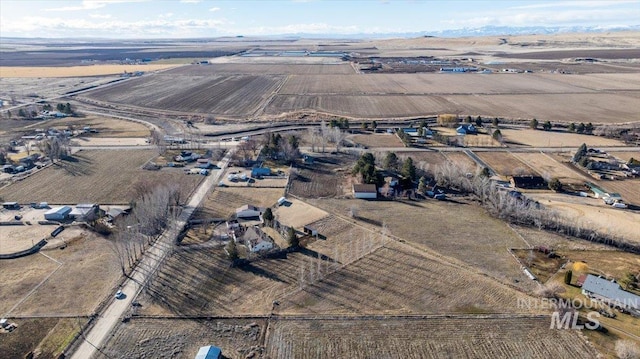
320 198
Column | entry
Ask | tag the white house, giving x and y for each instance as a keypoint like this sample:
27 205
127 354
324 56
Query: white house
57 213
248 211
365 191
611 293
256 240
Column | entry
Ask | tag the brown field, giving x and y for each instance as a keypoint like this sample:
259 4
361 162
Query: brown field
436 337
612 264
593 213
201 282
425 84
598 82
19 276
480 240
47 336
264 69
626 156
480 140
460 159
535 237
95 176
396 279
77 71
229 95
376 140
298 214
425 160
548 167
89 271
107 127
505 163
323 178
223 201
181 338
538 138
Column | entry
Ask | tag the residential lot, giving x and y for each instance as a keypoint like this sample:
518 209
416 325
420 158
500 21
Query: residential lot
96 176
505 163
549 167
464 336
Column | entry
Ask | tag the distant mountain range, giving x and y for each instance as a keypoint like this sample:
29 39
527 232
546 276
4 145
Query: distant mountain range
479 31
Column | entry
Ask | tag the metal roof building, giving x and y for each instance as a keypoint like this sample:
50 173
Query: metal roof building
209 352
610 292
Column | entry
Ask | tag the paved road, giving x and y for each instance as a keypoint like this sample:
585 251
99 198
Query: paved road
150 262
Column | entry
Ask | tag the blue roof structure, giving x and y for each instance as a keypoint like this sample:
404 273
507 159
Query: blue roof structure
209 352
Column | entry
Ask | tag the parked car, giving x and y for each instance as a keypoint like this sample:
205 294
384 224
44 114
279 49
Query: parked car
119 294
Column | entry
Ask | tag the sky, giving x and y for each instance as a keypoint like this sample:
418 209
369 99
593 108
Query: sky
122 19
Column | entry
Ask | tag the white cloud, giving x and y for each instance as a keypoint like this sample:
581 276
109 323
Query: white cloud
190 1
92 5
100 16
575 4
214 9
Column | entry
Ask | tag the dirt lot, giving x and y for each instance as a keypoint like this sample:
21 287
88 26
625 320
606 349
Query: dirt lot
324 178
481 241
461 159
505 163
17 238
96 176
537 138
376 140
628 188
593 213
77 71
298 214
458 337
107 127
223 201
548 167
45 336
378 283
181 338
83 273
20 276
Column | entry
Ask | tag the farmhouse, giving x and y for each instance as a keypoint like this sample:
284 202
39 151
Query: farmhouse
57 213
248 211
209 352
611 293
256 240
530 182
466 129
365 191
260 171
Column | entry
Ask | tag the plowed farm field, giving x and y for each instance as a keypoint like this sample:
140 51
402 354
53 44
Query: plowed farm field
413 338
548 167
505 163
230 95
461 159
397 279
264 69
96 176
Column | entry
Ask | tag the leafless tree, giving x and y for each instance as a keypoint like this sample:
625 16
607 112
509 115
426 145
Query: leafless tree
324 134
626 349
336 136
55 147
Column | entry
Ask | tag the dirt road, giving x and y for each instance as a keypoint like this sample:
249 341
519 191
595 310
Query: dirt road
113 313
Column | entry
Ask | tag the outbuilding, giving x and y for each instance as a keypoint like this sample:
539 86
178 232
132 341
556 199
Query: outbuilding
11 205
365 191
209 352
57 213
260 171
248 211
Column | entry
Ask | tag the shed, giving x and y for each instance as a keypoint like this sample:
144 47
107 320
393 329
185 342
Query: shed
282 200
597 191
209 352
260 171
365 191
57 213
531 182
85 211
248 211
11 205
467 129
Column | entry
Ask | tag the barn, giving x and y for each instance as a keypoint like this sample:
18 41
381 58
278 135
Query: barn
248 211
365 191
57 213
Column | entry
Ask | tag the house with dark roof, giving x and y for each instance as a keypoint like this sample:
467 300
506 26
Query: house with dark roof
365 191
528 182
466 129
610 293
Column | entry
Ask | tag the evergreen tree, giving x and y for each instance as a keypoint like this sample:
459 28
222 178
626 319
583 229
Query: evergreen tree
495 122
292 238
422 185
268 216
567 277
391 162
547 126
232 250
478 121
534 124
409 169
572 127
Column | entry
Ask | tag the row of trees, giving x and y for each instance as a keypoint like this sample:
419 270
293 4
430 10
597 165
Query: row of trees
366 167
513 210
32 110
581 128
